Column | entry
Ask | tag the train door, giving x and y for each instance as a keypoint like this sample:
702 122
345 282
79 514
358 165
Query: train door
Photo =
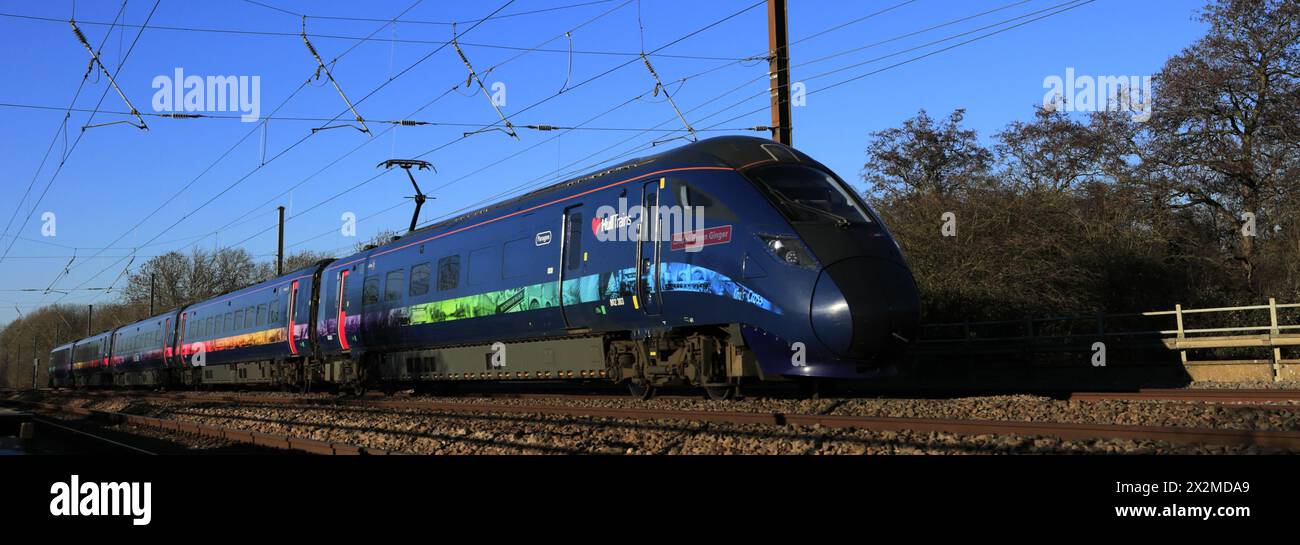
368 326
180 340
649 251
571 255
167 338
341 306
290 312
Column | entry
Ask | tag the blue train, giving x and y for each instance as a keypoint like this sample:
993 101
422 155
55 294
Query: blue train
726 260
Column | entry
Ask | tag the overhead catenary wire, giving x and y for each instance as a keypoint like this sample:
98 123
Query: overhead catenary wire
575 162
1047 11
60 130
64 160
240 180
427 22
367 142
474 77
678 40
308 119
822 89
1041 14
321 67
1060 8
366 39
233 147
765 92
641 129
209 168
375 177
412 114
112 81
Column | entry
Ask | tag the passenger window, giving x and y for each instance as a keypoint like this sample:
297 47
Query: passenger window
229 323
261 314
573 241
514 258
207 327
370 291
250 317
273 310
481 266
420 279
393 284
448 272
239 319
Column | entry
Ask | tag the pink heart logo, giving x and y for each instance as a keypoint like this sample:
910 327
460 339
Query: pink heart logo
595 226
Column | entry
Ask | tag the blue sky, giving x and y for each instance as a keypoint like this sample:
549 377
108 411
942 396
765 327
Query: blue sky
117 175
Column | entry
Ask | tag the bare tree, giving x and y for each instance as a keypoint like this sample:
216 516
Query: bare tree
382 237
925 157
1226 117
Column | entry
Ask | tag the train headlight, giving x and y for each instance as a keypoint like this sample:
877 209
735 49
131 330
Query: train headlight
789 250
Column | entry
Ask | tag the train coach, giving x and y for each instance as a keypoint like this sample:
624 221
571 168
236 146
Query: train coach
727 260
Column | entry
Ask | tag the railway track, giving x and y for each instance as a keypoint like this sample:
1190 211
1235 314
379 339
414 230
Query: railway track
44 424
1289 440
1212 396
309 446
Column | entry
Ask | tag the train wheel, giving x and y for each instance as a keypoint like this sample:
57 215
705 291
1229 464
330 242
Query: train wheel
640 390
719 393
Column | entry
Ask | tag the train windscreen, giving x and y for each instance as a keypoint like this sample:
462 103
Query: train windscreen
806 194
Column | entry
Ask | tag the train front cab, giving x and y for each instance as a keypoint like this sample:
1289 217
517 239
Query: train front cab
833 251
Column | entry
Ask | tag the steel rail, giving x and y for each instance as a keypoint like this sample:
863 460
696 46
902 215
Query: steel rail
1070 431
83 433
1216 395
233 435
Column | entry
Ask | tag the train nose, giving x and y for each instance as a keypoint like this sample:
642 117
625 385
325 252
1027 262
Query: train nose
864 307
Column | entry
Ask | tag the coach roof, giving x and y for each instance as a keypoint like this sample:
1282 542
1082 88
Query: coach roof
733 152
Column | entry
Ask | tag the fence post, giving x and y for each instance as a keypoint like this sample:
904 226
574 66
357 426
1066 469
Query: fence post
1273 332
1178 313
1272 315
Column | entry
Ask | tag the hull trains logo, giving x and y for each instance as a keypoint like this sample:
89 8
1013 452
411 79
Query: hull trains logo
102 499
679 224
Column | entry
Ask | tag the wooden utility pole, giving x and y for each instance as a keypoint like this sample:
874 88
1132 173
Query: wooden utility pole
90 319
279 252
152 285
778 41
36 361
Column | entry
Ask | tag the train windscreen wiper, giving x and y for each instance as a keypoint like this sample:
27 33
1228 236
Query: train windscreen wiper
840 221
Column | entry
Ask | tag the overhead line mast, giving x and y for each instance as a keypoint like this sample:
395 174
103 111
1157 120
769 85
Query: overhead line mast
778 39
